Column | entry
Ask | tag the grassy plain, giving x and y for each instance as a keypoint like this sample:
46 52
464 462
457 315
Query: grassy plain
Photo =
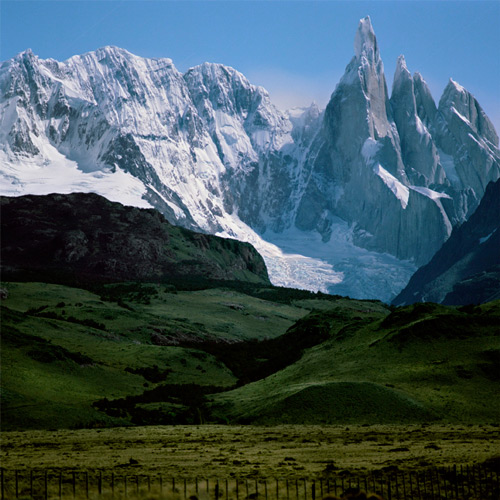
247 451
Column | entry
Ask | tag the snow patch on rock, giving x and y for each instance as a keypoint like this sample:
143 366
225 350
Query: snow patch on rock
400 191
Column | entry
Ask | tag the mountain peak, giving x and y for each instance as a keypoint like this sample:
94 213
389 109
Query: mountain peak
365 42
25 54
401 72
453 85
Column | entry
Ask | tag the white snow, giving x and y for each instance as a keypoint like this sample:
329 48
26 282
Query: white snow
462 117
486 238
401 192
300 259
433 195
420 126
345 268
457 86
436 197
475 140
57 174
369 149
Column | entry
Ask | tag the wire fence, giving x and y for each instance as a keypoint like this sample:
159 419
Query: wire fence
450 483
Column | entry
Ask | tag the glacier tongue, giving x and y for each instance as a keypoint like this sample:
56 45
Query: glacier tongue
300 259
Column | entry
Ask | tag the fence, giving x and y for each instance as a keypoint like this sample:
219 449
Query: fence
452 483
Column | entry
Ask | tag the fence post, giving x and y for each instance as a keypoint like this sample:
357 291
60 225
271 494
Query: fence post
287 491
125 484
17 483
60 484
185 489
99 483
462 479
196 484
480 481
31 483
161 483
3 485
74 483
46 481
237 490
296 489
468 480
265 489
305 489
149 482
277 490
137 483
113 484
313 490
438 479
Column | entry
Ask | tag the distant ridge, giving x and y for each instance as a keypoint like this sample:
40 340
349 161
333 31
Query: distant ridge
466 270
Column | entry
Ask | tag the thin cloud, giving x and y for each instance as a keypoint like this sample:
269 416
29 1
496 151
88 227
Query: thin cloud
288 90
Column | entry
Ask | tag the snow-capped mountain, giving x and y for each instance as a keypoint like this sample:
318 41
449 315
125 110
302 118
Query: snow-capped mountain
348 200
398 169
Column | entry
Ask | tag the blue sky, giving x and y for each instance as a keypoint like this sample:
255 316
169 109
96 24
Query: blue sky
298 50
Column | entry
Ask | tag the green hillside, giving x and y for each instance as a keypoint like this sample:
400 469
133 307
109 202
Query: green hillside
64 348
420 363
141 353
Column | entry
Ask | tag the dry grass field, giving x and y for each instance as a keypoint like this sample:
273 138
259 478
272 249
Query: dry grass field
247 451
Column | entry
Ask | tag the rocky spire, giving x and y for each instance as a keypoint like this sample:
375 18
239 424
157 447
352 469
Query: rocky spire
419 153
365 42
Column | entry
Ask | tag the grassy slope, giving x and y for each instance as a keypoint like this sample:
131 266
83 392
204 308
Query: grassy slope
43 386
416 364
420 363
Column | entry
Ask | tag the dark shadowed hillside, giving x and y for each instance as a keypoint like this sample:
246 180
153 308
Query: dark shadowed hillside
86 238
467 267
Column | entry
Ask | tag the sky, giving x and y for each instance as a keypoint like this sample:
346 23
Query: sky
297 50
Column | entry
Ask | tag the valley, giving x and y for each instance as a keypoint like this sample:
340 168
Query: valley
254 354
197 284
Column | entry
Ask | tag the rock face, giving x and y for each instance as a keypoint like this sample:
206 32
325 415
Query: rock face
467 267
380 168
84 237
211 152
